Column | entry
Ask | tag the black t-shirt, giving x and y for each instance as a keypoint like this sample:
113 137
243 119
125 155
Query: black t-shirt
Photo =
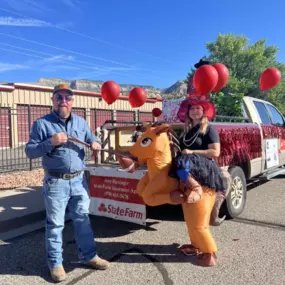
202 141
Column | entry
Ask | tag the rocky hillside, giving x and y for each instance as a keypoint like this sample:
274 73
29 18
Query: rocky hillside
95 86
178 89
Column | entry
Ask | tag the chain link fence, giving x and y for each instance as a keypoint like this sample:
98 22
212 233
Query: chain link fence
15 126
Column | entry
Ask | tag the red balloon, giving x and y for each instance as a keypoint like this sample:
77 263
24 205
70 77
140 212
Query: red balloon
110 91
156 112
205 79
223 73
137 97
269 78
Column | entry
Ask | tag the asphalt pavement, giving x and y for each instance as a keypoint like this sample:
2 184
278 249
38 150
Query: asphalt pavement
250 249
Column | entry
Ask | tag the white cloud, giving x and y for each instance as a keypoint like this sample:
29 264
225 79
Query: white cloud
54 63
64 62
40 7
10 66
94 72
55 68
21 22
65 25
60 57
37 7
70 3
28 6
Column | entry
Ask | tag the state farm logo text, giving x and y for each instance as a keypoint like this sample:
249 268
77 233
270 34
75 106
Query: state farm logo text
123 212
102 208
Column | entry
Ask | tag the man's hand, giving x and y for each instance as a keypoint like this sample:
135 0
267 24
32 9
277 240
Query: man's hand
58 139
187 151
95 146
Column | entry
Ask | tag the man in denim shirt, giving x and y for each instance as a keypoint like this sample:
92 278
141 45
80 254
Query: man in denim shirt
64 181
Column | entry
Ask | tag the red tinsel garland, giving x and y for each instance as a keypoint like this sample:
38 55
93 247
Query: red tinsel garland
275 132
238 145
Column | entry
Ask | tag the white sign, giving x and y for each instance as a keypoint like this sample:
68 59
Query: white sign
113 194
271 153
170 109
129 212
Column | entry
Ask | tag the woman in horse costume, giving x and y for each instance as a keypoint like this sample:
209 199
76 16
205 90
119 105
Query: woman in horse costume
155 148
191 177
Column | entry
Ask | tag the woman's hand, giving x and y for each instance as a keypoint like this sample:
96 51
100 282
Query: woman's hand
187 151
177 197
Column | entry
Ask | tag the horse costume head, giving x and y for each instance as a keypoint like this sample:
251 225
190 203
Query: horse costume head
156 146
154 139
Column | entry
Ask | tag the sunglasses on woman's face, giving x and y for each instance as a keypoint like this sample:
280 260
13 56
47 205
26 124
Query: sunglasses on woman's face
196 108
61 98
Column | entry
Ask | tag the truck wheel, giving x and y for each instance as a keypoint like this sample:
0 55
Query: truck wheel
235 201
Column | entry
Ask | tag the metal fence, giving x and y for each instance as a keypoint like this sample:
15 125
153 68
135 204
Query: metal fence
15 126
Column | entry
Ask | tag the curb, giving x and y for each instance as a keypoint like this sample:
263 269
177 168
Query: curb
19 222
17 227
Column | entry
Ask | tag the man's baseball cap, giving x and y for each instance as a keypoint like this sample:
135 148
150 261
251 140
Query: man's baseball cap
64 87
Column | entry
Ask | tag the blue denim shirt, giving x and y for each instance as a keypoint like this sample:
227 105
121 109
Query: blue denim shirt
65 158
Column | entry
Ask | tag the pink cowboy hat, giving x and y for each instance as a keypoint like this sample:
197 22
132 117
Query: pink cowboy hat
209 108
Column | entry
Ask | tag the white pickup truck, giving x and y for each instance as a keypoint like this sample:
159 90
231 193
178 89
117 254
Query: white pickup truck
252 147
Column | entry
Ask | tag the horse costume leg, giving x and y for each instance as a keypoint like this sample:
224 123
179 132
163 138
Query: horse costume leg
156 191
142 185
197 217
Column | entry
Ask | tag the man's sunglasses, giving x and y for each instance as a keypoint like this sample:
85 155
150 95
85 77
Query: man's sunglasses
60 98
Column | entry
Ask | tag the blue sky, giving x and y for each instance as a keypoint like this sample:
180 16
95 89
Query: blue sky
143 42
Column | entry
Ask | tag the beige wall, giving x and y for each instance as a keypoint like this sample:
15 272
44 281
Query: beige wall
91 101
11 96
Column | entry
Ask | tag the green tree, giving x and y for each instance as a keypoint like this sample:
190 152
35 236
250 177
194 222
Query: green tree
245 62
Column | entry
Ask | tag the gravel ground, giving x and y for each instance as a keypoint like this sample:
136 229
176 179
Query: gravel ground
21 179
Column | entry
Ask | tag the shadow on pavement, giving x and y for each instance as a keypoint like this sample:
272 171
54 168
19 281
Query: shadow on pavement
20 207
25 255
165 213
109 228
263 224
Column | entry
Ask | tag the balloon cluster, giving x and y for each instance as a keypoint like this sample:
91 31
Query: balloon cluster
110 92
208 78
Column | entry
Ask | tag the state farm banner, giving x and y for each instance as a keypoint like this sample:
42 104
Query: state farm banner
282 144
113 194
170 109
271 153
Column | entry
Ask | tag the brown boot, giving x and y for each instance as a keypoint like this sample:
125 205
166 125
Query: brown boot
189 249
98 263
206 259
58 274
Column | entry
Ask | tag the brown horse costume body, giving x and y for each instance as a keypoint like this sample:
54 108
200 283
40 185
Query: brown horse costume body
155 148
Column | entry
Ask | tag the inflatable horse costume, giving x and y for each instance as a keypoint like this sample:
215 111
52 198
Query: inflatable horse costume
155 147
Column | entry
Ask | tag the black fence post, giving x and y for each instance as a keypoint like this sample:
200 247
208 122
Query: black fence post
29 128
113 116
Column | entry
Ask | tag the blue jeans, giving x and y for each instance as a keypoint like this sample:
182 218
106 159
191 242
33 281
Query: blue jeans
58 195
